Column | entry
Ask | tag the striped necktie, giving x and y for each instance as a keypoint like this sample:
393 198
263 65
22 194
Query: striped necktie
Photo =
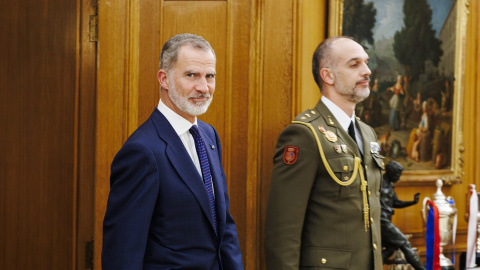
207 177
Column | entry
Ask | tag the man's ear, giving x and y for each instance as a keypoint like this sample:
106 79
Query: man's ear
327 76
162 78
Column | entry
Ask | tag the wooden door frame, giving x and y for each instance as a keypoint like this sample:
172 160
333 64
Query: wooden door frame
84 159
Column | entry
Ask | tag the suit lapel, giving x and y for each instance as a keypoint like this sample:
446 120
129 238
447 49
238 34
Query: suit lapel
181 161
366 139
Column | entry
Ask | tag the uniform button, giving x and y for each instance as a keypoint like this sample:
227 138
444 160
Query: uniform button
371 220
366 167
369 193
345 168
324 261
375 246
383 164
346 178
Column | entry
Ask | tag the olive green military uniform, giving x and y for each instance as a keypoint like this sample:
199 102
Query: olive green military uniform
314 221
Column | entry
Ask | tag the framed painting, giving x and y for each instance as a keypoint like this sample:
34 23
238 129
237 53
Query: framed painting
417 53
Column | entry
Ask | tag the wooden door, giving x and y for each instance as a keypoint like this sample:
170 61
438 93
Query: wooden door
47 91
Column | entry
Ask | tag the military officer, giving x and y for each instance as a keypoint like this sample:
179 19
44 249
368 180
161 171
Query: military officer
323 208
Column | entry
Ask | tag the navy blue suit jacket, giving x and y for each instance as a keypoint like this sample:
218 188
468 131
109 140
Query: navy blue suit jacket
158 213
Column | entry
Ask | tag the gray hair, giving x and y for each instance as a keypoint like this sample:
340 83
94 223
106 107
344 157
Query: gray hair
322 58
169 54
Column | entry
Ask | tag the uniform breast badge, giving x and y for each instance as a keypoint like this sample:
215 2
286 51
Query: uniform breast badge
322 129
290 154
330 136
344 148
374 148
338 149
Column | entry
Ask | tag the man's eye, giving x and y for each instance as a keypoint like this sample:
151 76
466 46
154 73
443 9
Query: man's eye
190 75
211 76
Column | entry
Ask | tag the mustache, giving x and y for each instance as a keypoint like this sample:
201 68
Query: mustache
200 96
366 79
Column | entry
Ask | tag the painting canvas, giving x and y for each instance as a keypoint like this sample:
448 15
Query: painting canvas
415 82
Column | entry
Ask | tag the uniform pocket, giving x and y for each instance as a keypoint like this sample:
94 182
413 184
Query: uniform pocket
325 258
379 161
342 166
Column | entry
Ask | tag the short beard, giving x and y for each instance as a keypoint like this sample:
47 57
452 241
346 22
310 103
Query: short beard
183 103
355 94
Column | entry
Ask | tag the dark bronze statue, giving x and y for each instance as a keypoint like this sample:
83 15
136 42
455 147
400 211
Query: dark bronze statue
392 237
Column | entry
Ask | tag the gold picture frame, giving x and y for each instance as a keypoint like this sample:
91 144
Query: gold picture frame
444 160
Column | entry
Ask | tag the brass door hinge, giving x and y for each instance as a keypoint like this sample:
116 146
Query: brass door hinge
89 254
93 28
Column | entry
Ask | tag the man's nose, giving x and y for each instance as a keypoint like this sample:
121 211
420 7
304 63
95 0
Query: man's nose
367 70
202 85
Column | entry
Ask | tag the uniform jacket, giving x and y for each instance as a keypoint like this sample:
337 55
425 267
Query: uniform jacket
158 212
311 221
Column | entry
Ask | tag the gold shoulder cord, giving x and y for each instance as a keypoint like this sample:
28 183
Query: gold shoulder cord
357 169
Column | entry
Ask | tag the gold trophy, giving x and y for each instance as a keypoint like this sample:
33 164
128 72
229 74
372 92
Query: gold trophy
447 213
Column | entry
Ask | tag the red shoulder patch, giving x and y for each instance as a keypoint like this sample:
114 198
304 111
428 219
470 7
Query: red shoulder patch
290 154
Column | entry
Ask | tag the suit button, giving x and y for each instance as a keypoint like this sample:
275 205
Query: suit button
324 261
374 246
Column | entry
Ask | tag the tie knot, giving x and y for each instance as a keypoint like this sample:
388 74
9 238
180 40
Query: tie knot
194 131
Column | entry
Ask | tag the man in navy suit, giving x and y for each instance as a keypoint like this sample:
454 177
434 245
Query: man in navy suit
168 206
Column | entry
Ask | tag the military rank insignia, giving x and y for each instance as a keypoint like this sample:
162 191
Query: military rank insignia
290 154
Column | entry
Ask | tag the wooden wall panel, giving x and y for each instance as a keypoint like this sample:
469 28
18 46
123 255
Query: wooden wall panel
111 107
264 50
209 20
38 88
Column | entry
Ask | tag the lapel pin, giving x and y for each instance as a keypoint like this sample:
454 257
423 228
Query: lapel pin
212 146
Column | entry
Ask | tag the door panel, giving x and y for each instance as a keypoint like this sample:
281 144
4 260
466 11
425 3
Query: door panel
39 138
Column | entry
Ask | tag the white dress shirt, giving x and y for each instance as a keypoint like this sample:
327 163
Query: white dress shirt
344 120
182 127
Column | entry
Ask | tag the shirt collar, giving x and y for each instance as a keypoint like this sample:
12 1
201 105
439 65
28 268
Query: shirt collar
338 113
179 124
